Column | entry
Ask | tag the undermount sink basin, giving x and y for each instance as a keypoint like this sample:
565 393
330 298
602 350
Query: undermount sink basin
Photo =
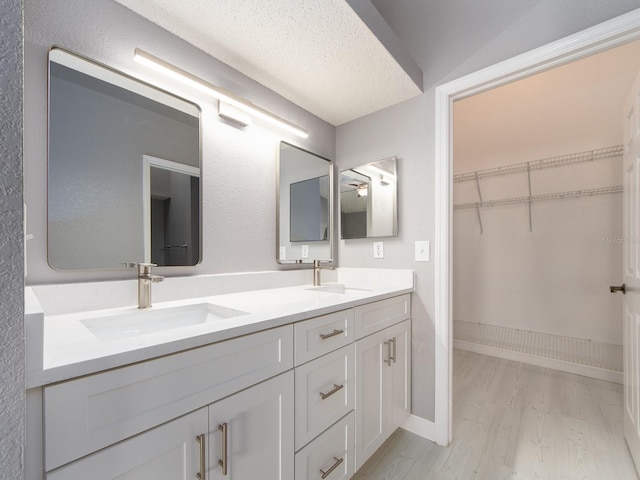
342 289
143 322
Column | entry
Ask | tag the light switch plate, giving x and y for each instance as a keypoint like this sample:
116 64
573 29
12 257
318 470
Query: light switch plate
422 251
305 251
283 253
378 250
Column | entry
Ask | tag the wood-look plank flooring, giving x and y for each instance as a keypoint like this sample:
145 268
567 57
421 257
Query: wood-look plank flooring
516 421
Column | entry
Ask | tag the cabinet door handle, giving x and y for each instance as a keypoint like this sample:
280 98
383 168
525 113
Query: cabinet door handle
338 461
324 336
393 356
336 388
223 462
388 359
202 474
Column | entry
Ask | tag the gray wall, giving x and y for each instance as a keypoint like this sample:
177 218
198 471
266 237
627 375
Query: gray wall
448 40
12 394
238 165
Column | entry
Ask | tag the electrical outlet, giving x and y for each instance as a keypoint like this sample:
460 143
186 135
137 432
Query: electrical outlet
305 251
378 250
422 250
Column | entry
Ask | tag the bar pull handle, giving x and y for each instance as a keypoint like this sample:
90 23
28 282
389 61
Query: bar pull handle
202 474
622 288
324 336
388 359
338 461
393 356
336 388
223 462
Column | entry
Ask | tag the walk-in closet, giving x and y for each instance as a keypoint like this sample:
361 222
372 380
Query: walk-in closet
537 221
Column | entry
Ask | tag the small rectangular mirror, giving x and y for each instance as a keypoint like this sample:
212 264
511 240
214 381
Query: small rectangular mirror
368 200
124 170
304 206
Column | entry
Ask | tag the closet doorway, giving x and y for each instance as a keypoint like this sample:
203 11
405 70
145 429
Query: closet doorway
537 221
537 216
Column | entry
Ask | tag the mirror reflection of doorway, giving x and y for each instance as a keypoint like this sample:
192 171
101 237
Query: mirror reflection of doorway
172 212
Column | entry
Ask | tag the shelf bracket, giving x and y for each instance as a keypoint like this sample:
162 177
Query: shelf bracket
479 204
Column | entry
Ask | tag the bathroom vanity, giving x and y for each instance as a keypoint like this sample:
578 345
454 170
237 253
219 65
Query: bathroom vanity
297 382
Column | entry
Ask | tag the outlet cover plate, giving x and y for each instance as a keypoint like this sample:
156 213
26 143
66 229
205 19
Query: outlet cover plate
378 250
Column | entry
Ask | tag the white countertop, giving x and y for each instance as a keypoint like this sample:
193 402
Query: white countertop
69 349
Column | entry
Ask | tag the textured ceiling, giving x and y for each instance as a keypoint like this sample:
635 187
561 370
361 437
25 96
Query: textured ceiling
319 54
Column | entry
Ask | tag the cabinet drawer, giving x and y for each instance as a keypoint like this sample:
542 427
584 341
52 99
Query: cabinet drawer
321 335
325 392
373 317
84 415
333 449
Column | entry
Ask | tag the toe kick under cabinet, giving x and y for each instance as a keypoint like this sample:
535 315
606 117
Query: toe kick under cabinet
312 400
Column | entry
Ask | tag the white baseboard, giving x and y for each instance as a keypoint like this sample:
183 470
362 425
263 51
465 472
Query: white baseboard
421 427
569 367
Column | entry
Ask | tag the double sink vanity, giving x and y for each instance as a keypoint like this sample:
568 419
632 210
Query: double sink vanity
299 381
244 376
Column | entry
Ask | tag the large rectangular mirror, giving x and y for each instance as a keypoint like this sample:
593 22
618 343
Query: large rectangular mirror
368 200
304 206
124 170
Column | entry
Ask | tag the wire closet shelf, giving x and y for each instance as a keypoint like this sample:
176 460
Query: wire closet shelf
528 167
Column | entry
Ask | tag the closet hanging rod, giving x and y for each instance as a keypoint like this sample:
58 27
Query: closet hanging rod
546 196
600 154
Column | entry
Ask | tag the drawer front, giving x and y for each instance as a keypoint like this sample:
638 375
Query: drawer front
325 392
376 316
321 335
84 415
331 455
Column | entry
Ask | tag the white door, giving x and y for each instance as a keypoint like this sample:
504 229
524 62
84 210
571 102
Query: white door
168 452
372 360
251 433
400 385
631 212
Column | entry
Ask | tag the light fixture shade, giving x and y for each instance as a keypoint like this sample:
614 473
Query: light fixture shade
233 114
230 98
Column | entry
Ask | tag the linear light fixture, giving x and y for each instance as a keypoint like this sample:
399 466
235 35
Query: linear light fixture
240 103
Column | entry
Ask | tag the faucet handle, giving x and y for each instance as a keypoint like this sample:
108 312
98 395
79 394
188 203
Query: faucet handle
145 268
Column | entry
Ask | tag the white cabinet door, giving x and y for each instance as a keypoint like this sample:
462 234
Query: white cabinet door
399 390
167 452
251 433
371 372
383 387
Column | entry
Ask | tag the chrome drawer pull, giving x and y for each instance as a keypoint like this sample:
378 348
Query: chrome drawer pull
332 468
336 388
223 461
202 474
393 357
388 359
324 336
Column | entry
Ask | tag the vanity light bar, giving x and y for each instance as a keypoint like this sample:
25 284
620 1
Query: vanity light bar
240 103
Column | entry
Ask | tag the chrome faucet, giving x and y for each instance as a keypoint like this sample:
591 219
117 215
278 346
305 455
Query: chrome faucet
316 272
145 279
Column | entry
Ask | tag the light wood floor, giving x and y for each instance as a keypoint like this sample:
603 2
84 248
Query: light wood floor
516 421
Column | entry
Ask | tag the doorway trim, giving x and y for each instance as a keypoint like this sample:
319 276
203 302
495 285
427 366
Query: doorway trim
609 34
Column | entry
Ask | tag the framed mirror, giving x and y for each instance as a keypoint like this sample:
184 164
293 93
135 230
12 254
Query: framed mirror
369 200
304 206
124 168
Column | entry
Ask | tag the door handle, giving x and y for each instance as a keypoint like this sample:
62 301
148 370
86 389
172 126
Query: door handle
223 461
622 288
